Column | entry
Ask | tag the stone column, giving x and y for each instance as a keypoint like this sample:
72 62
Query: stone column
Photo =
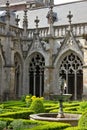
48 78
85 71
12 83
75 89
9 92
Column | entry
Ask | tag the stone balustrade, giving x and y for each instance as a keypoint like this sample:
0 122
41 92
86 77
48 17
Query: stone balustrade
59 31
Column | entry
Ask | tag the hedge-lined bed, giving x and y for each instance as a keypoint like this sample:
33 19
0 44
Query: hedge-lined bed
18 115
20 124
13 113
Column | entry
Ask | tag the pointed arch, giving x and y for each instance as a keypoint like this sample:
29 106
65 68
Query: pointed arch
70 68
18 75
36 74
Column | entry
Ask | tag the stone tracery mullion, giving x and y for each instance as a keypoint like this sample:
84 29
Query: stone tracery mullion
36 69
71 62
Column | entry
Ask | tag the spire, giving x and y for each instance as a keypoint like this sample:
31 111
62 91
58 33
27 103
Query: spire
25 21
69 16
7 18
36 21
17 20
36 39
7 10
50 15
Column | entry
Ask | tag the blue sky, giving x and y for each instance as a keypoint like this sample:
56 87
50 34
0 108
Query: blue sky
63 1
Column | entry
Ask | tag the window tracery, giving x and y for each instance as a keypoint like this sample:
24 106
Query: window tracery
71 63
36 75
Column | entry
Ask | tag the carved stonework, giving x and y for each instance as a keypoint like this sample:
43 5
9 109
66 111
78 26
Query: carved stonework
70 41
16 45
25 46
36 45
45 45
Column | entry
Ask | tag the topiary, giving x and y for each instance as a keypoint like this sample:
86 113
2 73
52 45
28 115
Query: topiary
83 121
37 106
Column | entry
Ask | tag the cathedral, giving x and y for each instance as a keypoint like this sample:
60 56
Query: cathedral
41 47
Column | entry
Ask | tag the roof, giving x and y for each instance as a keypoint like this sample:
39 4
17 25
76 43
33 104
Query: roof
78 9
3 2
14 2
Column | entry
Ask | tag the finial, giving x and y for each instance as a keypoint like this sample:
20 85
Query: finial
25 10
17 20
7 9
51 16
69 16
25 21
7 3
36 21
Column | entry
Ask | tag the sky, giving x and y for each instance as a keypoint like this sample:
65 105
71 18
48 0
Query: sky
63 1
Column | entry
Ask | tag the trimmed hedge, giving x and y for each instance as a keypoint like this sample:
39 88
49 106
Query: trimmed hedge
48 109
73 128
16 125
18 115
83 121
51 126
7 120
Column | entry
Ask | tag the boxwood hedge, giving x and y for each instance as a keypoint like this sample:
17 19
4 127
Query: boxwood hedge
18 115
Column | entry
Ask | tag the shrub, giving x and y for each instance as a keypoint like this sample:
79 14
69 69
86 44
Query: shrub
37 106
83 121
16 125
73 128
2 106
51 126
28 100
83 105
7 120
49 109
17 115
33 98
2 125
23 98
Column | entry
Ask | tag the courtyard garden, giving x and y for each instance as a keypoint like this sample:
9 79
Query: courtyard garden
14 115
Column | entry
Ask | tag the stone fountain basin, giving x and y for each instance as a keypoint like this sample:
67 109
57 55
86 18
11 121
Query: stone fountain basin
69 118
63 97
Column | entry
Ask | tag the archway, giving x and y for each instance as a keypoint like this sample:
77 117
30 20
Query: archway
71 70
36 75
18 75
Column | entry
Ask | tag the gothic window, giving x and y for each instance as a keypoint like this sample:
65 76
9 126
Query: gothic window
18 70
36 75
71 70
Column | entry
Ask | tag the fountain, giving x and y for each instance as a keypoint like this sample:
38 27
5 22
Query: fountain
60 116
61 97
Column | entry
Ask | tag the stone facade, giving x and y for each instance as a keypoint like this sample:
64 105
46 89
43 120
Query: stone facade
31 64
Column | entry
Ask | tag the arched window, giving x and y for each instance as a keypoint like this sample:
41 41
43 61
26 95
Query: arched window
71 70
36 75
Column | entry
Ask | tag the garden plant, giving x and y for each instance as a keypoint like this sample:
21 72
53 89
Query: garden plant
15 114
